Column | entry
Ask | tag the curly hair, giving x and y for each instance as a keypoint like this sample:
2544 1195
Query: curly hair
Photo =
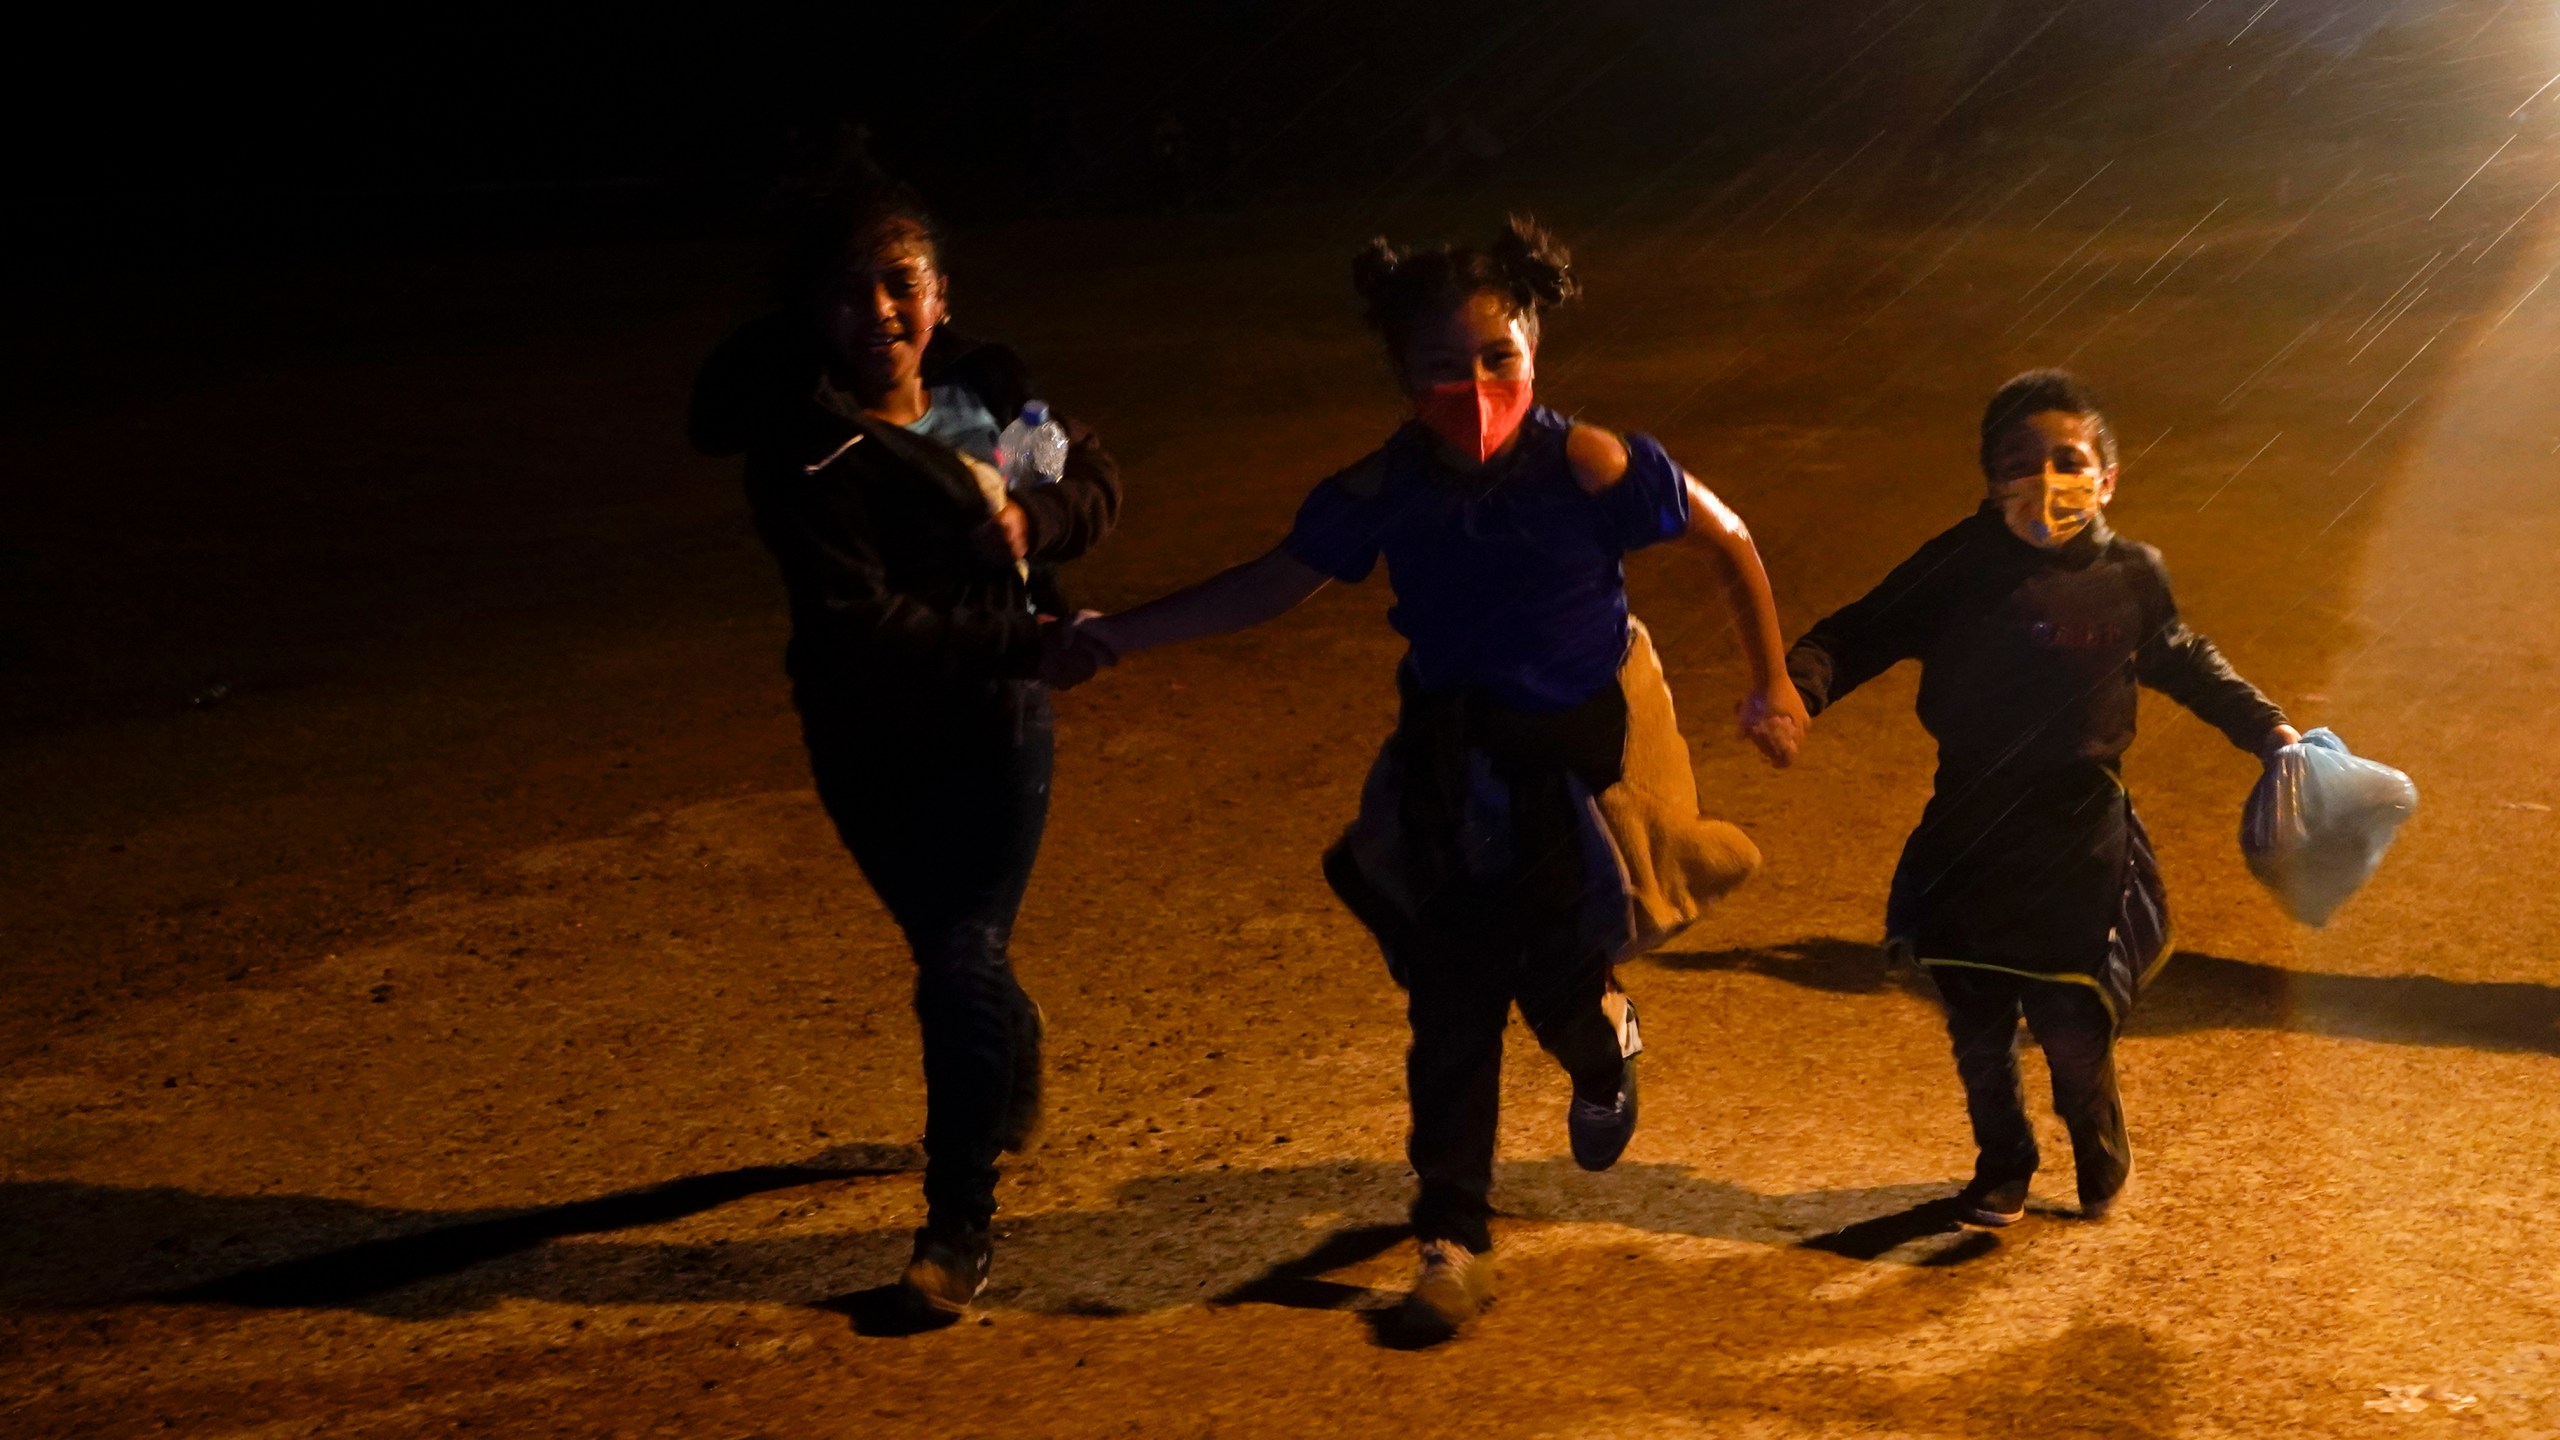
2035 392
823 227
1404 287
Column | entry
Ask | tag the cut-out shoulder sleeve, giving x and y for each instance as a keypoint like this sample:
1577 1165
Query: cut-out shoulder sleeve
1649 501
1598 457
1343 521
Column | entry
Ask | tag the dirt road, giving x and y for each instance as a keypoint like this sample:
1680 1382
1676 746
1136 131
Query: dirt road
436 1002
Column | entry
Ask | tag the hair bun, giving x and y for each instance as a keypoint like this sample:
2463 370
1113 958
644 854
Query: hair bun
1373 271
1401 287
832 201
1537 263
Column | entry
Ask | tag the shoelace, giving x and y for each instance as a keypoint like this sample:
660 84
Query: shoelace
1598 1111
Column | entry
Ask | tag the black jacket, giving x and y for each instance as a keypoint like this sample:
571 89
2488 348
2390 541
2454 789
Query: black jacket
871 525
2030 662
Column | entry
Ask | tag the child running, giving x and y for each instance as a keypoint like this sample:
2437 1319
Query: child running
921 594
1533 820
2029 888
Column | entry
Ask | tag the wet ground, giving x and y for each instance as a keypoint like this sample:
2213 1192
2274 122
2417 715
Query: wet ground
435 1001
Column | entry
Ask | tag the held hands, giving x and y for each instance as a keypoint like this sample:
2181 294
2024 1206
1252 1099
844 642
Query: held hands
1775 720
1075 650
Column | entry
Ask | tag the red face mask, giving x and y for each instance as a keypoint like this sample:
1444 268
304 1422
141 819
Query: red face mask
1476 417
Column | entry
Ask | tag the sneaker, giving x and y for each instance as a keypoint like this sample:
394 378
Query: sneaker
1022 1107
948 1270
1992 1204
1454 1286
1600 1132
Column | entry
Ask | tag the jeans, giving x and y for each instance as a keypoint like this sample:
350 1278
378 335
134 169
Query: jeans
1459 998
2078 1034
943 808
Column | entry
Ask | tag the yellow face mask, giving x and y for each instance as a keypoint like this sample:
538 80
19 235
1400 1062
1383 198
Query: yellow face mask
2047 509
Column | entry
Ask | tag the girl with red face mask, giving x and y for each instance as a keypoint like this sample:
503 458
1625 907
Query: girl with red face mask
1533 819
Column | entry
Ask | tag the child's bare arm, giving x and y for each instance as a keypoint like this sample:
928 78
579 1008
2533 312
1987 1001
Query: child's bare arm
1755 607
1236 598
1771 715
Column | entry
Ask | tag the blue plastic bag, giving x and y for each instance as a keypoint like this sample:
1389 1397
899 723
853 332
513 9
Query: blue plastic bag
2318 821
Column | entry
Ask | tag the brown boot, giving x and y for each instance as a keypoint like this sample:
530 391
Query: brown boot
1453 1287
948 1270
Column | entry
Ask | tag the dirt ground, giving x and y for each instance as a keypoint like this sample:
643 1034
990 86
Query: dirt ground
435 1001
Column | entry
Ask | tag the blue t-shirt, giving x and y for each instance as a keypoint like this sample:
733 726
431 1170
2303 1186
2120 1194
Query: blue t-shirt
957 418
1507 581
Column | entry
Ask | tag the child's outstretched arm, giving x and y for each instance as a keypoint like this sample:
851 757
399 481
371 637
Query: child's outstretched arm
1771 715
1236 598
2190 669
1871 634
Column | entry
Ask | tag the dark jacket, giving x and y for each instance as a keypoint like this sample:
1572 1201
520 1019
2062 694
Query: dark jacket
871 525
2030 661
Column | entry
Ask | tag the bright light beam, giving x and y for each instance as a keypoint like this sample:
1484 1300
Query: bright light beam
2244 465
2474 175
2395 375
2536 95
2529 294
2252 25
2512 224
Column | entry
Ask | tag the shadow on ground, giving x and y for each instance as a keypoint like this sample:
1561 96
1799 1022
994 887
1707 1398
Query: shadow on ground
2196 992
1692 1335
1231 1237
1234 1236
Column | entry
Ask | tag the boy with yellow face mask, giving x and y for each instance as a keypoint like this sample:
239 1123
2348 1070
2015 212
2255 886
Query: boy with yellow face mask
2029 890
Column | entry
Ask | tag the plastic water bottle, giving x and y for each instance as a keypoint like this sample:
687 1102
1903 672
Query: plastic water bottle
1033 449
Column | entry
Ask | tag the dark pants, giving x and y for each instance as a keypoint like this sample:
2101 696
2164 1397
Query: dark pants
943 806
1459 998
2078 1034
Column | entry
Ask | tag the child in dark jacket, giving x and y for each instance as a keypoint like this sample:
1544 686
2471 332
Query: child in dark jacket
2029 889
921 596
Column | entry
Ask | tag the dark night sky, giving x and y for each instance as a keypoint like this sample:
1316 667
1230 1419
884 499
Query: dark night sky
491 94
253 125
